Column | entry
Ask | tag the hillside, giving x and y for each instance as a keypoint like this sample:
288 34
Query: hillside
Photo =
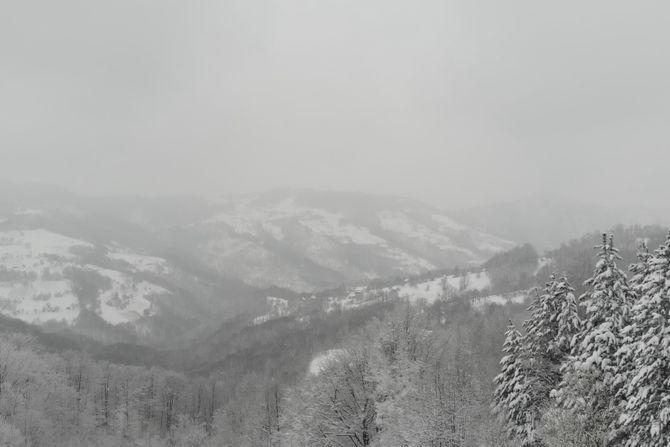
293 238
164 270
107 291
305 240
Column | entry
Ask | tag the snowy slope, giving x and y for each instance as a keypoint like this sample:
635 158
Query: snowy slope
305 240
41 272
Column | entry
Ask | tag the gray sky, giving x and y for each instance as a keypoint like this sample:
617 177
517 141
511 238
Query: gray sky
455 102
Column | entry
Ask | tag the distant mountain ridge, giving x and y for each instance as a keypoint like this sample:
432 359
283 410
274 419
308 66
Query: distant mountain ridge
133 268
305 240
546 221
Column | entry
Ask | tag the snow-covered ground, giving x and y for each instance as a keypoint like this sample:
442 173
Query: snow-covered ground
26 250
500 300
39 301
435 289
354 300
430 291
325 359
126 300
470 281
35 287
32 286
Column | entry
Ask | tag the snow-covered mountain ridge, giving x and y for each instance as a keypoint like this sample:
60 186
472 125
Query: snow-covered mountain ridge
163 266
305 240
106 291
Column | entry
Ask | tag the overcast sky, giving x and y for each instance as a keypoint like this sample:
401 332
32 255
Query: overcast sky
454 102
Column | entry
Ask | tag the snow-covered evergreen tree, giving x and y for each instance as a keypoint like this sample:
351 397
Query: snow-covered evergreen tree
640 269
591 374
553 323
512 397
645 357
625 356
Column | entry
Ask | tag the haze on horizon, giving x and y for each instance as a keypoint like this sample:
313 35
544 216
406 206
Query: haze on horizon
453 102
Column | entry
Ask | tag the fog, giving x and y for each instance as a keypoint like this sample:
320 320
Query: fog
453 102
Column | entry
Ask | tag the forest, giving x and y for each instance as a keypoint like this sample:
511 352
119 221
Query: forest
399 367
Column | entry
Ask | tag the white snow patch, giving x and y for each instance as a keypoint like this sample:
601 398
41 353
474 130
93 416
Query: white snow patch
430 291
39 301
36 290
325 360
471 281
499 300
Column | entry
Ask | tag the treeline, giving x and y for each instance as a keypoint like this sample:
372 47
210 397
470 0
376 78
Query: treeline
594 370
67 399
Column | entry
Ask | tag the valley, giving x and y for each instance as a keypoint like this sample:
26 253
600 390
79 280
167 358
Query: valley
260 299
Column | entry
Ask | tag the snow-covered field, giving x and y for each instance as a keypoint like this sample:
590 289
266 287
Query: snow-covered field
126 300
439 288
429 291
39 301
35 286
26 250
